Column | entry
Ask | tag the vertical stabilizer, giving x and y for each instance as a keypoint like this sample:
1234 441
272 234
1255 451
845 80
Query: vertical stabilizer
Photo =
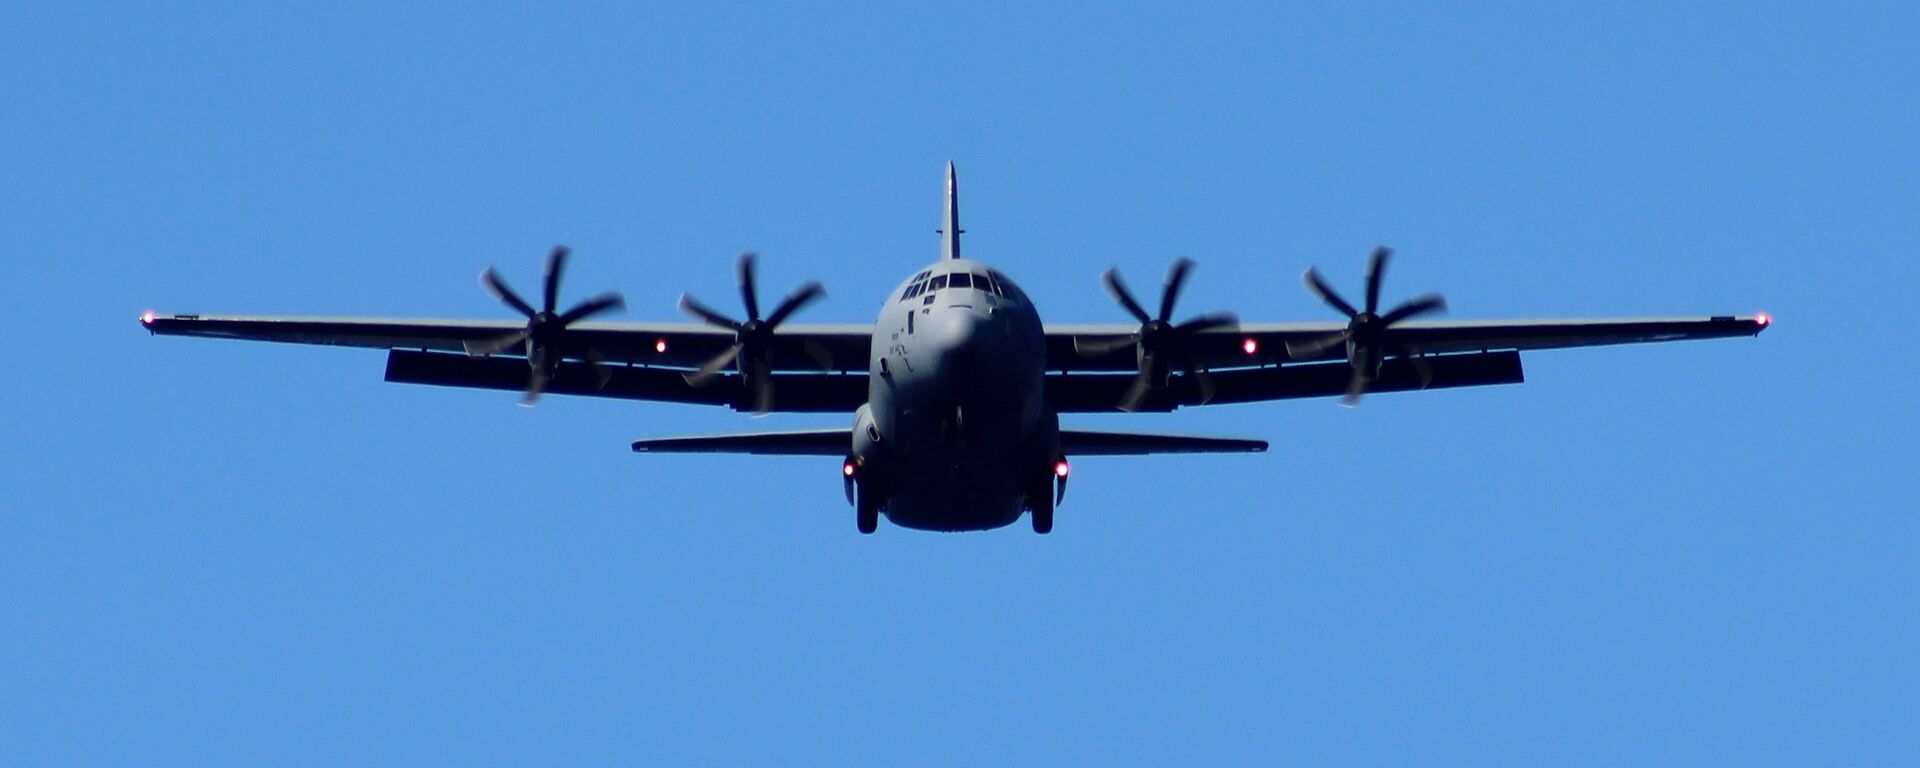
950 222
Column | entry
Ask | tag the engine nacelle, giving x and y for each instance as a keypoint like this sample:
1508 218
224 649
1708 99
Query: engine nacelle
866 464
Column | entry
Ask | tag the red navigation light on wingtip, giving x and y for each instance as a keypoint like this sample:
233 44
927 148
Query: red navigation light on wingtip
146 318
1763 319
847 469
1251 345
1060 468
660 346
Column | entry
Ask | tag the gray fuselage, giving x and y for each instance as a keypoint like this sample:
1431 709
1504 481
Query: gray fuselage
956 434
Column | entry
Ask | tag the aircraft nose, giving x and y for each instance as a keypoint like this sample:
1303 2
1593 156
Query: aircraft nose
959 333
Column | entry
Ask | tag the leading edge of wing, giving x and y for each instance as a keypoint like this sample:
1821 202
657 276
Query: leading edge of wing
801 442
1098 442
684 345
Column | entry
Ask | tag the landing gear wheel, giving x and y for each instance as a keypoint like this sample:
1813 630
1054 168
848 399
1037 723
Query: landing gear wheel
1043 512
866 511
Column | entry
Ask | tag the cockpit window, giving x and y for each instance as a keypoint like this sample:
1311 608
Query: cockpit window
1007 288
938 282
981 282
911 291
960 280
922 276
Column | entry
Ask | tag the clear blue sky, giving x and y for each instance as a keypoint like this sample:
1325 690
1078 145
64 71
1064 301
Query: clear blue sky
238 554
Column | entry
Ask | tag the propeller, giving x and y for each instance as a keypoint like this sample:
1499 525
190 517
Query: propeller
752 339
546 328
1366 334
1162 345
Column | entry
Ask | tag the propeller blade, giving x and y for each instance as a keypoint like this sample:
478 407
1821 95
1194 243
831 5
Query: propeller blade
1311 348
600 373
535 386
1431 302
821 356
762 394
749 293
496 346
537 380
1356 386
1320 288
1376 272
1118 288
693 307
591 307
1097 347
498 287
1208 322
1421 366
1176 280
802 296
1204 382
556 266
712 368
1136 394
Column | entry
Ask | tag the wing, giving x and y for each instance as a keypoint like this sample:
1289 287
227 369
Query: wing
1228 348
836 442
817 367
1094 442
803 442
1252 362
1096 393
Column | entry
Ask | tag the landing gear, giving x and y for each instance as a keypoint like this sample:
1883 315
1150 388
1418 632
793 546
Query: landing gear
866 510
1046 494
1041 507
861 494
1042 513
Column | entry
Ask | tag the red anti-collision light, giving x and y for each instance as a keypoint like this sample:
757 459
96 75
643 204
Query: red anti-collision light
847 469
660 346
1251 345
1763 319
1060 468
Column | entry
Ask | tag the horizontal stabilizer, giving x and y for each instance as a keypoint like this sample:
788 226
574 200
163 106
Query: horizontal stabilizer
1092 442
801 442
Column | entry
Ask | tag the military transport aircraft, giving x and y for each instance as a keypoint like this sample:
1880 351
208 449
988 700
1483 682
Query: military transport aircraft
956 392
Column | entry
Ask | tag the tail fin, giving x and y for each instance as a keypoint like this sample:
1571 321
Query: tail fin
950 223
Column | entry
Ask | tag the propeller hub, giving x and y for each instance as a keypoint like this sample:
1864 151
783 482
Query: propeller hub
1161 346
545 325
1366 338
752 338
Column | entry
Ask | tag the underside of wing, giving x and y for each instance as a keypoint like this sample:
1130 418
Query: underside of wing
1088 366
1102 348
813 392
1099 393
676 345
803 442
810 368
1094 442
